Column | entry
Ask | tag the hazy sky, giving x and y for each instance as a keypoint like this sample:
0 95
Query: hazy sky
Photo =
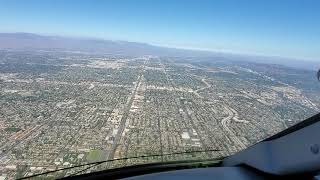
289 28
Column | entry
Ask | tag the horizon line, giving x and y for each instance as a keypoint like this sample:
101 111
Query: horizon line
217 51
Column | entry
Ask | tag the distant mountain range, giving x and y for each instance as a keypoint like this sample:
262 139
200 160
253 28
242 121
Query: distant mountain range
29 41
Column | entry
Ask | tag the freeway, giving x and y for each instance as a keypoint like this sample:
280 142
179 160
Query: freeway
125 116
203 88
225 123
12 144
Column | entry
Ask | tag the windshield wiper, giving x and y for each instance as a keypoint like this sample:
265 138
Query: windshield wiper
93 164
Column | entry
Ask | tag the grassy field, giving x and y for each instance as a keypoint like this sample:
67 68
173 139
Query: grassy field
96 155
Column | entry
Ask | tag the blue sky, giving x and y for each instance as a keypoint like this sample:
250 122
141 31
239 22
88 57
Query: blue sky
288 28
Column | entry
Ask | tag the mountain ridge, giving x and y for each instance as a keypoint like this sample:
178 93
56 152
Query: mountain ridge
32 41
94 45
